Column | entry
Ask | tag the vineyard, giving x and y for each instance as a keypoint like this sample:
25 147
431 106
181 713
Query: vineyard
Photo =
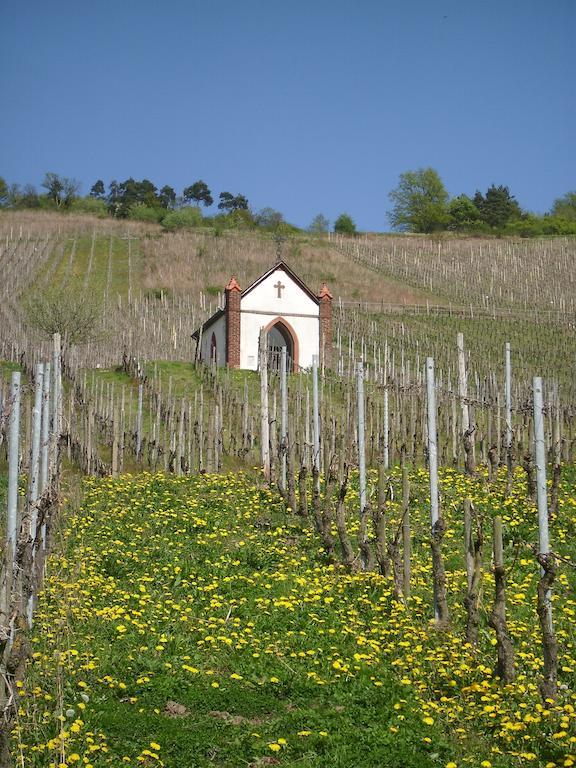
361 565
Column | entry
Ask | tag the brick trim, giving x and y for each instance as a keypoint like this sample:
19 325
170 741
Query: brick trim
325 315
232 311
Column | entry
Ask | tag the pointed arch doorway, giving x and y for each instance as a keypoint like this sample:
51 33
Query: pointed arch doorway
279 334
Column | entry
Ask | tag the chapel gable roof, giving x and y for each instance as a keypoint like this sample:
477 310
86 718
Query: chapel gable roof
207 323
281 265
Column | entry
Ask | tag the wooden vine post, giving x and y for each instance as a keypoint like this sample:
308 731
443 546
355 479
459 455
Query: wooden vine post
385 432
505 667
139 420
473 544
406 534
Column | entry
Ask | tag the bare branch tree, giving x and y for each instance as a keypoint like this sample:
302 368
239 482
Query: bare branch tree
75 315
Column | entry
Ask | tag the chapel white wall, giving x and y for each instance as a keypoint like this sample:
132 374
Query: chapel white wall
218 328
266 306
307 331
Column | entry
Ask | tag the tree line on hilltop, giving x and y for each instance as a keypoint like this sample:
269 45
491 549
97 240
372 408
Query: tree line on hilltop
142 200
420 204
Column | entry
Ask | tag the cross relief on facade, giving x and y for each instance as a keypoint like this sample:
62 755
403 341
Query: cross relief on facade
279 287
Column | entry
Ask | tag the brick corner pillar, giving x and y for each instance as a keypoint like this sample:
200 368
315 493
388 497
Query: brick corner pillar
325 299
232 309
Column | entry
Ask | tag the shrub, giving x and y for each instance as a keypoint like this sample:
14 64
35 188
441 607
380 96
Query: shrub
344 225
143 212
76 315
91 205
555 225
189 216
536 226
240 219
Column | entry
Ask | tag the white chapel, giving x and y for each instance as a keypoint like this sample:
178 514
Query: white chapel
279 302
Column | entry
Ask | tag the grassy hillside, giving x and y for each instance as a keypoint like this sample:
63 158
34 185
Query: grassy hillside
108 255
483 272
155 287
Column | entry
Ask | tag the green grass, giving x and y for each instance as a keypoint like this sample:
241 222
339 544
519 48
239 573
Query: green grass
203 593
185 379
7 368
115 376
227 722
110 269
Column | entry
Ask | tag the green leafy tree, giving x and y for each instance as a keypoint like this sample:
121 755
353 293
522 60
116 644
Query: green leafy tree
23 198
463 214
478 200
230 203
126 194
198 193
344 225
565 207
4 192
54 187
319 225
59 189
420 202
497 207
167 197
113 197
146 193
98 190
268 218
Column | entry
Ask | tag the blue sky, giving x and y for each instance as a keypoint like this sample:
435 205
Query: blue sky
306 107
